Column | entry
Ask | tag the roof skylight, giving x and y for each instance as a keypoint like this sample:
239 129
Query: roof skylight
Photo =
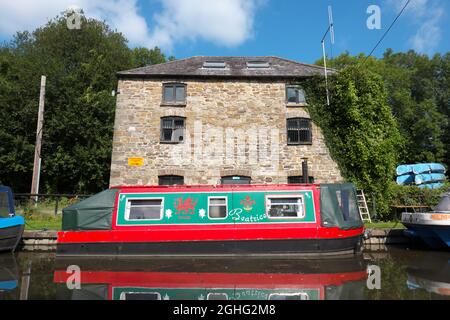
214 65
258 65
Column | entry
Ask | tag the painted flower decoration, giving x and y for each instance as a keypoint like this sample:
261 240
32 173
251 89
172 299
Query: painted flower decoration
202 213
168 213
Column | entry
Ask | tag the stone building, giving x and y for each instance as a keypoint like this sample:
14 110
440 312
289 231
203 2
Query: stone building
212 120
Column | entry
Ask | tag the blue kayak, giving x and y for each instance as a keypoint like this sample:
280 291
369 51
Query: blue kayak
420 168
435 185
429 177
405 179
11 226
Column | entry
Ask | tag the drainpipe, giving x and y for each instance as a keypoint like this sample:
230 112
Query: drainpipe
305 172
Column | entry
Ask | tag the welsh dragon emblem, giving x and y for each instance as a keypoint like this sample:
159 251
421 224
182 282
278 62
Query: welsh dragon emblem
185 207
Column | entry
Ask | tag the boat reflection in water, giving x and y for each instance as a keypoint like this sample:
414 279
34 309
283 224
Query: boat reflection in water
213 279
431 272
9 275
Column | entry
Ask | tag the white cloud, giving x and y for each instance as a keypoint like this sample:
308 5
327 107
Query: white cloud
427 15
224 22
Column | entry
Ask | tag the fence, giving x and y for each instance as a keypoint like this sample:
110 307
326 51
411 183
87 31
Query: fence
49 203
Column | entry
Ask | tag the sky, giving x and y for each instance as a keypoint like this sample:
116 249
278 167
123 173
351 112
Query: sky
290 29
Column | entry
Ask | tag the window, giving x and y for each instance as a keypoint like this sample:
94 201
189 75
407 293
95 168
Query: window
172 129
217 207
348 205
295 94
289 296
174 93
285 207
258 65
299 131
235 180
299 180
140 296
170 180
217 296
214 65
144 209
4 205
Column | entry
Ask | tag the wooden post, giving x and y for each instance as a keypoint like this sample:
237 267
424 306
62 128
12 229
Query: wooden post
25 283
37 148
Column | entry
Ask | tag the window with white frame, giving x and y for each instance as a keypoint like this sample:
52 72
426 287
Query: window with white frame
144 209
217 296
217 207
295 94
289 296
285 207
140 296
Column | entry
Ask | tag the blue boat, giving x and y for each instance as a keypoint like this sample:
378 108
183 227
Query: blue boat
420 168
429 178
405 179
11 226
432 227
433 185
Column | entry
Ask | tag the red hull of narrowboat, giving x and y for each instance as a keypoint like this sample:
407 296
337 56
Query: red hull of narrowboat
188 238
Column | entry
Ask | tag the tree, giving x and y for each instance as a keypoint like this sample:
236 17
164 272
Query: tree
359 128
81 67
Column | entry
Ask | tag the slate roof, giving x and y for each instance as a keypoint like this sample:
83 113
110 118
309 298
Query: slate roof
236 67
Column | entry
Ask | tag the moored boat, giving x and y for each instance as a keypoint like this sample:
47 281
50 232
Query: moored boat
214 220
432 227
11 226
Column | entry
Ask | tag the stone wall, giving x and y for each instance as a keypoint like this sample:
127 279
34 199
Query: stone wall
233 128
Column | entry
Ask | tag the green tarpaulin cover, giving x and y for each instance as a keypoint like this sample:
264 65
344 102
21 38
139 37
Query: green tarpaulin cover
339 206
94 213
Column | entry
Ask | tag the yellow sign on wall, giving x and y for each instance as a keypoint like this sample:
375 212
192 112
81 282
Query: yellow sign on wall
135 162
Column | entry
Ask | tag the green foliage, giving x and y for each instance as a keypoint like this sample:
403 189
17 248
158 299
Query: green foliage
81 67
415 196
418 92
359 128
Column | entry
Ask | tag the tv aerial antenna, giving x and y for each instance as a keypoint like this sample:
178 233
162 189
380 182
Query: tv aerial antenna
330 30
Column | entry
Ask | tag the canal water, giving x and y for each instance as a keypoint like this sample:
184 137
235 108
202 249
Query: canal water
394 274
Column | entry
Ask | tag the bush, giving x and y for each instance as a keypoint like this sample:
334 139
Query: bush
408 196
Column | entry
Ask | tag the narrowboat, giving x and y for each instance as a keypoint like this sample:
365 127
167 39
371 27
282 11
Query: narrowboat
432 227
263 220
11 226
213 279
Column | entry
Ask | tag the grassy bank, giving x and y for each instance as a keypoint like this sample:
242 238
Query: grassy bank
385 225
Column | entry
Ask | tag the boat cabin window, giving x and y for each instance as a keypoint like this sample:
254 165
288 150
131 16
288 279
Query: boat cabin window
289 296
144 209
348 205
217 296
217 207
140 296
285 207
4 205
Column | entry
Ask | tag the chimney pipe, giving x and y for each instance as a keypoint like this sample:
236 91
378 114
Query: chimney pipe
305 172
